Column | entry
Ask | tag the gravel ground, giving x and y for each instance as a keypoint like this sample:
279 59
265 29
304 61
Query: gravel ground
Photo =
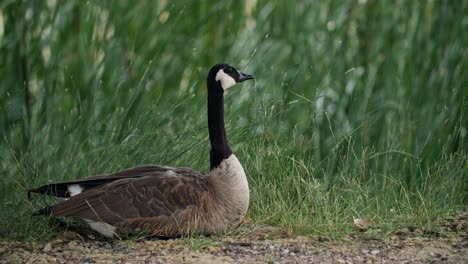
408 245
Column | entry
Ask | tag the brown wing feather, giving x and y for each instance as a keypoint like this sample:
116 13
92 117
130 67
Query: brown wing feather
156 194
61 189
127 173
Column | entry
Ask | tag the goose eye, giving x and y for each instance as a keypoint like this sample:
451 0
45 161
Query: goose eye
229 70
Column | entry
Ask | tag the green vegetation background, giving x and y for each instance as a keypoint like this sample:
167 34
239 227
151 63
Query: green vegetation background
359 109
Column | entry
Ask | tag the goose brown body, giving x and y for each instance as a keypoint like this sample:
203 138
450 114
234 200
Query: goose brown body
160 200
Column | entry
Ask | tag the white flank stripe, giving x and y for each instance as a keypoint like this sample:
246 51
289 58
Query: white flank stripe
74 189
103 228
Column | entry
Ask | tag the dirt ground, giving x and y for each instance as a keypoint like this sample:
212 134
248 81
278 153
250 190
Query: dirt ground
407 245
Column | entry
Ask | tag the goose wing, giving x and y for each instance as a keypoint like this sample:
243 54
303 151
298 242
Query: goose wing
62 189
161 193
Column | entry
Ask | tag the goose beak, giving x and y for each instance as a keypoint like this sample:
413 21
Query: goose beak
245 76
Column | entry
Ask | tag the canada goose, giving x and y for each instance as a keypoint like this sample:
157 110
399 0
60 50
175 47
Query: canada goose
165 201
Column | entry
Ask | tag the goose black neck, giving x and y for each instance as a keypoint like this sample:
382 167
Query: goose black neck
219 146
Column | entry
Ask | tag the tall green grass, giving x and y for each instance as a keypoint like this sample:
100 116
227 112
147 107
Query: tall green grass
358 110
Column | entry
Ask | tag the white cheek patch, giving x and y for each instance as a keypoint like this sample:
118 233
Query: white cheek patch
226 80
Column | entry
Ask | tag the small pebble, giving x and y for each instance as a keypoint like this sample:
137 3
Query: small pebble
47 247
211 249
229 240
372 258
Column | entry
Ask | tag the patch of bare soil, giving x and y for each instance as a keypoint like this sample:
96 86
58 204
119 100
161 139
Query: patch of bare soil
408 245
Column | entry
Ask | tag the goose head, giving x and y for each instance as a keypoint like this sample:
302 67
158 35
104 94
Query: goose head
223 76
